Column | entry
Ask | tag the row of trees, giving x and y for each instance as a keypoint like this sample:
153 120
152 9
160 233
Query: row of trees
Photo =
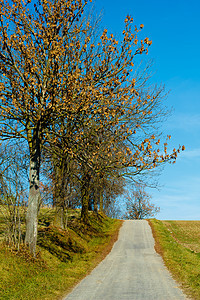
72 94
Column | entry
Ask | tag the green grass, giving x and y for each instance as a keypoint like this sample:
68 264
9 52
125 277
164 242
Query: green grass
179 244
63 258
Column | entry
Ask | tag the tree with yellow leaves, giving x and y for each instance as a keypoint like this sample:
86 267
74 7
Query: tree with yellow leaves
59 80
36 79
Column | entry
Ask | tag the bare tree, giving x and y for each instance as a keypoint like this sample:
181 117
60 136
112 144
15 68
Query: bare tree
138 205
13 197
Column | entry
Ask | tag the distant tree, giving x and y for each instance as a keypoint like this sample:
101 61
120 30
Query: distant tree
138 205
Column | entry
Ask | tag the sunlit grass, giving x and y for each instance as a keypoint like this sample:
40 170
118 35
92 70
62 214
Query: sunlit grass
64 257
179 244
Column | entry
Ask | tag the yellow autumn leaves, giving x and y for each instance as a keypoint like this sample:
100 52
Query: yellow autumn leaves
57 68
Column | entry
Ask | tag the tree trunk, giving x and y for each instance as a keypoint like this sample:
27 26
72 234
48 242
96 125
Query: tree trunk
84 210
85 195
60 219
60 195
90 203
33 200
95 205
100 200
96 197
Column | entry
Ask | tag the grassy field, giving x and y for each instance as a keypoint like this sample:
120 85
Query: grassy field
179 244
64 257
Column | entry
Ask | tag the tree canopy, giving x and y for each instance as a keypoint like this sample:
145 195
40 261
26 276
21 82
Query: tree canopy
73 93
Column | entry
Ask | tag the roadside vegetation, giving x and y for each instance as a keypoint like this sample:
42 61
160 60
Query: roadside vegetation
63 257
178 242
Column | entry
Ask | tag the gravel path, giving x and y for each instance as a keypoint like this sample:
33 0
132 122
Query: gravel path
132 270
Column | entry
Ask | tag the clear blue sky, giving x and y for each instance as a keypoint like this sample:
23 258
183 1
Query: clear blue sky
174 28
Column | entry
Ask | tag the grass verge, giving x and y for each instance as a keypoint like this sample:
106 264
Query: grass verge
178 242
63 258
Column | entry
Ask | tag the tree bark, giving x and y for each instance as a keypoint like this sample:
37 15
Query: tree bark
33 200
95 205
60 194
100 200
96 197
60 219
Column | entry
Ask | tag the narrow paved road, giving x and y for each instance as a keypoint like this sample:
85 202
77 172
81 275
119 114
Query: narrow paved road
132 270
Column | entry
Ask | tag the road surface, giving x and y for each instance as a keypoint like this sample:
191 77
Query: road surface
132 270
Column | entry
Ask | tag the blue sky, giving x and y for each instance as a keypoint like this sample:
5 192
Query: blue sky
174 28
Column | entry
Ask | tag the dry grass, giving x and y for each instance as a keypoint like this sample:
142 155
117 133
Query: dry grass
186 233
178 242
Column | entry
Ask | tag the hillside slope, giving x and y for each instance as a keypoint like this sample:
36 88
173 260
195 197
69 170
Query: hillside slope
63 257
